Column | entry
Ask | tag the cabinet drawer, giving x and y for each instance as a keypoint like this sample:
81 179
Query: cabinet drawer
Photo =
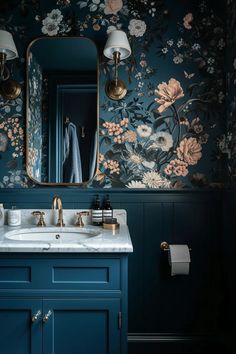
15 274
59 273
85 274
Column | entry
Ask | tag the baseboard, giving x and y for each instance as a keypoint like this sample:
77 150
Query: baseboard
167 338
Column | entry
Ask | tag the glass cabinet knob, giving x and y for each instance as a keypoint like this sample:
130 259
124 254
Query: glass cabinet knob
36 316
46 317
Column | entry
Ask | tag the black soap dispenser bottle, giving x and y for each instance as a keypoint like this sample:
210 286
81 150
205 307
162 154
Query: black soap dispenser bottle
97 212
107 209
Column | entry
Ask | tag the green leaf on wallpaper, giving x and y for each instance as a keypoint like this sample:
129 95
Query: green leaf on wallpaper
110 155
138 118
12 164
106 140
158 122
117 147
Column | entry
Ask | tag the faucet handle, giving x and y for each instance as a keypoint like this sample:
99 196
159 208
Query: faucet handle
79 221
40 214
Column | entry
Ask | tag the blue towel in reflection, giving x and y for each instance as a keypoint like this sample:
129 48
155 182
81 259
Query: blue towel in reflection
93 156
72 169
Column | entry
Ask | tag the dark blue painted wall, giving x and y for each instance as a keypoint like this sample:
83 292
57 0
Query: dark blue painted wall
228 247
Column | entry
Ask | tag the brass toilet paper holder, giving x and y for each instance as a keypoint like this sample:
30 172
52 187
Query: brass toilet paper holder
164 246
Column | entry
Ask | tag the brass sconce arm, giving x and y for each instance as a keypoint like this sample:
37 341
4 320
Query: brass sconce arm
116 57
4 71
116 89
117 48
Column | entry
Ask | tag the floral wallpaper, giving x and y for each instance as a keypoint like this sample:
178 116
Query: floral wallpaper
34 117
170 129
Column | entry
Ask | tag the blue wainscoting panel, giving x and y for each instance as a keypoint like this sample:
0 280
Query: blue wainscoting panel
228 247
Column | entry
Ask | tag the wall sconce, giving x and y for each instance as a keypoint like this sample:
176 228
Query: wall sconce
117 48
9 89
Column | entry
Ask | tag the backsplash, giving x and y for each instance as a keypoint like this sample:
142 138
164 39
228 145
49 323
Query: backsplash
169 130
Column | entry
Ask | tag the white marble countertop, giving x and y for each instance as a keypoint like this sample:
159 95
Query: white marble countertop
106 241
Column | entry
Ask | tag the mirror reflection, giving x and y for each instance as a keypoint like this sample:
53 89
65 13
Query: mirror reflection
62 112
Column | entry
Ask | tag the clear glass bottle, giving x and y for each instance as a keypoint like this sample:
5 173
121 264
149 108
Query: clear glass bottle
2 215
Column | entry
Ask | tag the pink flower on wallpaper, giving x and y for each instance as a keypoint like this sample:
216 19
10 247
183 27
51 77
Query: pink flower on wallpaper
188 19
189 151
112 7
177 167
168 94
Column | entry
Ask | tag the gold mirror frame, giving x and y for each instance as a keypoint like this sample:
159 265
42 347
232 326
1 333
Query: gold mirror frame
83 184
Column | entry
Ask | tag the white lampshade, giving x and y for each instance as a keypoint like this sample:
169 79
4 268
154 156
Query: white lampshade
7 45
117 42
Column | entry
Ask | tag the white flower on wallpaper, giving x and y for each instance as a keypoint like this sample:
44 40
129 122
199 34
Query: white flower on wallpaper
178 59
137 28
135 184
54 24
144 131
55 15
161 140
16 178
50 27
150 179
153 179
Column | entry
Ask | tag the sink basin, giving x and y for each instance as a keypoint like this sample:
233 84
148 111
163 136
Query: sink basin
51 235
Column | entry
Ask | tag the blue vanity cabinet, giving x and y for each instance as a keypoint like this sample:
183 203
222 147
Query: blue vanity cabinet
82 301
18 334
84 326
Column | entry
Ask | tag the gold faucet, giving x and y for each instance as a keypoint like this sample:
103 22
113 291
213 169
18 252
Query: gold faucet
80 222
57 204
39 214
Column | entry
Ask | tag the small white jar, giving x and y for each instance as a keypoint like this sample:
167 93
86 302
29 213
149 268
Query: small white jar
1 215
14 217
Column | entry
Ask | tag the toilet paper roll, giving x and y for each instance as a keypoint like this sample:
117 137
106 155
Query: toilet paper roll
179 259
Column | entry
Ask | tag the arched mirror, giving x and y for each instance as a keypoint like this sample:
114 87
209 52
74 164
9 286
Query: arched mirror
62 110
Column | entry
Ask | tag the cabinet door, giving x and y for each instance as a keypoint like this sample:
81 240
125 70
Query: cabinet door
81 326
18 333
